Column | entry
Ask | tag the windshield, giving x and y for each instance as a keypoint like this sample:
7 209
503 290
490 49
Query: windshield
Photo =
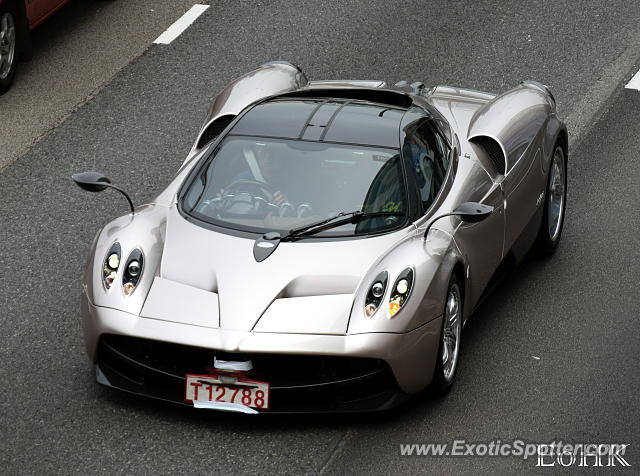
262 185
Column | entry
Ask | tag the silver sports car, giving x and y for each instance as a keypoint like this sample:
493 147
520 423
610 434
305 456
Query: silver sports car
324 243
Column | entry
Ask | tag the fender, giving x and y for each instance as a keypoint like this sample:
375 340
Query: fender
505 126
269 79
22 29
554 131
431 280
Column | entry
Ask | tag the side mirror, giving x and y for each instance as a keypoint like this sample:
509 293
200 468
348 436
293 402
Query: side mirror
97 182
471 212
91 181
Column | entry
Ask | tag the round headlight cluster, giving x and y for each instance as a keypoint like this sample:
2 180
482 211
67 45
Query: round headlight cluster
132 272
398 295
403 286
400 291
111 265
377 290
134 268
113 261
375 294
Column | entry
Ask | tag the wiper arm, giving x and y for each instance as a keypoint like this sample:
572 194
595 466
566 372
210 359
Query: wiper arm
333 222
267 243
302 229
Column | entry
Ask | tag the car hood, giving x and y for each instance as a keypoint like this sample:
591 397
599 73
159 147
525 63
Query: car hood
211 279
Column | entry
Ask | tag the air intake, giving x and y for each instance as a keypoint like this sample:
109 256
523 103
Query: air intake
493 150
214 129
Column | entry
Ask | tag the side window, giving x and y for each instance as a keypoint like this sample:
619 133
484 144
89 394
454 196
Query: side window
445 151
428 153
445 129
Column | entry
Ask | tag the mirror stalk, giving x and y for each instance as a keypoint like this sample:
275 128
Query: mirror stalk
97 182
126 195
426 232
471 212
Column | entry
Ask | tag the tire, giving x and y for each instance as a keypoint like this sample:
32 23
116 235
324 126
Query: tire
448 355
8 45
555 202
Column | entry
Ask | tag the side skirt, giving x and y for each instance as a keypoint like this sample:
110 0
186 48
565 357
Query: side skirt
507 265
527 238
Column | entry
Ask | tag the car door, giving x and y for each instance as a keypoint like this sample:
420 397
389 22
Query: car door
37 10
481 243
523 187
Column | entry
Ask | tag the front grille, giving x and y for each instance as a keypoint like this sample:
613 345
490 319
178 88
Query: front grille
298 382
494 151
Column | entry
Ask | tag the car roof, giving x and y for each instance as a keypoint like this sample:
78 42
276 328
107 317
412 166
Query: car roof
314 116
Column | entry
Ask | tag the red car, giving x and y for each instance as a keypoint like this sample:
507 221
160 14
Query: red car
17 19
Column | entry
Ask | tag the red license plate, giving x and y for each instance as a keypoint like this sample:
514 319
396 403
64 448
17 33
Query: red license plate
226 389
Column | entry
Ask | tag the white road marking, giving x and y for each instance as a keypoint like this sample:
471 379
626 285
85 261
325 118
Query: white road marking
634 83
175 30
584 112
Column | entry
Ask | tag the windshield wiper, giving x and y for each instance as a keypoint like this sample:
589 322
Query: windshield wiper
267 243
333 222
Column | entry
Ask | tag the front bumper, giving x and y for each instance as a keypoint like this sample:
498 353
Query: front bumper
299 384
378 371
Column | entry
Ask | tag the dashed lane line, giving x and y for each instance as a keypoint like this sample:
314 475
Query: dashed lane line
181 24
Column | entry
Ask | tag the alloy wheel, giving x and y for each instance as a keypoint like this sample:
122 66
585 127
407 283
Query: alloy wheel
7 44
451 331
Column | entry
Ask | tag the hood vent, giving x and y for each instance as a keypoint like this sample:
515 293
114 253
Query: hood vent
493 150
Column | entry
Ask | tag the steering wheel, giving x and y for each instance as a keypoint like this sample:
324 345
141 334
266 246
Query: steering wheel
245 196
253 187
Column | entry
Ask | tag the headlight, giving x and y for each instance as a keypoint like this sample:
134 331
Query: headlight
133 268
375 294
400 291
132 272
111 265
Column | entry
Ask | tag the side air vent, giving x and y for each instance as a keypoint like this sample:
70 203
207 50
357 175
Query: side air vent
493 150
214 129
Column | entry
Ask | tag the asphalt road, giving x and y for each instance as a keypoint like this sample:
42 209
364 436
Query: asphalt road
76 52
577 312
